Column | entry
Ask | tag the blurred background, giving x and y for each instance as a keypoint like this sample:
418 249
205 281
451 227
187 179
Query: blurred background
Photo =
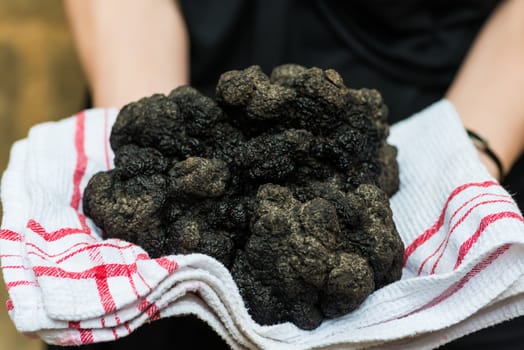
40 80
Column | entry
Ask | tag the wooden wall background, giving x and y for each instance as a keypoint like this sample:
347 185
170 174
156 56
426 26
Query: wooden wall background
40 80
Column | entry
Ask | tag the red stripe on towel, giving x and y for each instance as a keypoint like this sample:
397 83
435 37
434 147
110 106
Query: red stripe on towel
81 160
426 235
13 284
34 226
85 247
444 244
102 271
457 224
151 310
86 335
484 223
9 235
167 264
454 288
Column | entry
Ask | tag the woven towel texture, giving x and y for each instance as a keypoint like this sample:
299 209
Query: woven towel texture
463 269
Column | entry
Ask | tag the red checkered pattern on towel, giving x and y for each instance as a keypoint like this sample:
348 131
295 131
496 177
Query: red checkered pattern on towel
78 254
463 263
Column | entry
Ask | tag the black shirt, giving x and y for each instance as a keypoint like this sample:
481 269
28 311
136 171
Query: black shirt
409 50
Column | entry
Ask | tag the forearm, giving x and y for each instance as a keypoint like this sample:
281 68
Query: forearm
129 48
488 90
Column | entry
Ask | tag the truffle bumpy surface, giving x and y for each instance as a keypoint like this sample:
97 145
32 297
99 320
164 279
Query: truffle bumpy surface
285 179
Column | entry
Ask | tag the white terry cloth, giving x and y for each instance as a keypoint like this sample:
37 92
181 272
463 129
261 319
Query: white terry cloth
463 233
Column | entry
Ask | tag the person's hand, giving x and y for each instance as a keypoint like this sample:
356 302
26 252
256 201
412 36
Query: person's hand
129 48
487 91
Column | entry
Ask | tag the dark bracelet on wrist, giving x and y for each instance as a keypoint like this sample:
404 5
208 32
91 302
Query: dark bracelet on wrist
482 145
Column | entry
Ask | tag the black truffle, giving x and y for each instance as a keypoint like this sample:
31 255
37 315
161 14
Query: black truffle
284 179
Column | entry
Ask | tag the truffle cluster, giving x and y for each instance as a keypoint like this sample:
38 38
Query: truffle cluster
284 179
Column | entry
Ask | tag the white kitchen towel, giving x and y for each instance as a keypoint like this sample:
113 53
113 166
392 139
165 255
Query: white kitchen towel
463 269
